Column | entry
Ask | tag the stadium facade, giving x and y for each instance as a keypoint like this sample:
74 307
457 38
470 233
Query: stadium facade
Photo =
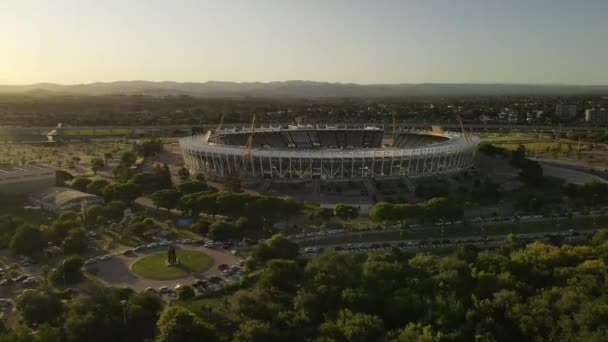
296 153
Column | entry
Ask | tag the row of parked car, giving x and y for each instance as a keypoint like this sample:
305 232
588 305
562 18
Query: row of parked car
202 285
22 279
319 233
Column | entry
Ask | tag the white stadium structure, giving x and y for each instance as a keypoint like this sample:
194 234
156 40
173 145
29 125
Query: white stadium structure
299 153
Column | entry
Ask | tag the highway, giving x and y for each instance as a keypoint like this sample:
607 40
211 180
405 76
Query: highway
186 129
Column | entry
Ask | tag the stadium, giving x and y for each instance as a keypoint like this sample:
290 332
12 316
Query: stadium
301 153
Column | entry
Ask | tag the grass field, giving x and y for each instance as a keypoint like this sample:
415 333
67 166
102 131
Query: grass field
561 224
506 138
533 147
154 266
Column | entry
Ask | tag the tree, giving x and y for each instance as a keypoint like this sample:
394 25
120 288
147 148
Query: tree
128 159
27 240
201 227
98 314
135 229
61 177
44 333
418 333
80 183
355 327
126 193
38 308
254 331
75 242
93 213
96 187
383 212
177 324
168 198
115 209
185 292
531 172
222 231
283 275
8 226
151 147
192 186
442 208
345 212
121 173
97 164
69 271
183 174
277 247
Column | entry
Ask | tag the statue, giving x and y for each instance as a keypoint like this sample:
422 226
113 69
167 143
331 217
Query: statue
171 256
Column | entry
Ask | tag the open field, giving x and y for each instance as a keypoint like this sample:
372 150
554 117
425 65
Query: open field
92 132
154 266
506 138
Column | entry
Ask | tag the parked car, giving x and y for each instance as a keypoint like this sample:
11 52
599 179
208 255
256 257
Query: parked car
30 281
20 278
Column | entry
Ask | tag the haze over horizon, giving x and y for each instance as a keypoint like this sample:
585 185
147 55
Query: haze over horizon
365 42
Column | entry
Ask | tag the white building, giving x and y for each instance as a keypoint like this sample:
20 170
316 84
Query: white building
565 110
596 115
16 180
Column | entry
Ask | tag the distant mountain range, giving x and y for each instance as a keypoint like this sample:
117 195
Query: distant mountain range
300 89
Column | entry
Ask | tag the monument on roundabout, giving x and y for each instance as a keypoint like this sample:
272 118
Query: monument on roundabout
172 259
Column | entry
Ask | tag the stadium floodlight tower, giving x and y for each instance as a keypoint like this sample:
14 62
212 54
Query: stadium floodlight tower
297 152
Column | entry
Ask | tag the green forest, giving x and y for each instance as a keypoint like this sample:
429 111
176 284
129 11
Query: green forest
515 292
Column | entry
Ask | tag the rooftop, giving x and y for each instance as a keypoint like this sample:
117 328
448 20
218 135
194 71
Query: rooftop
24 168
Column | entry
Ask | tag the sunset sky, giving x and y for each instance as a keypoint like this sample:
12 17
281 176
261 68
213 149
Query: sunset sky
406 41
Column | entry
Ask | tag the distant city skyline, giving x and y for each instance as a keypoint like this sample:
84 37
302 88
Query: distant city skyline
366 42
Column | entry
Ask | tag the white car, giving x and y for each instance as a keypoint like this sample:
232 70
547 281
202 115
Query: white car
90 261
105 257
163 290
152 245
29 281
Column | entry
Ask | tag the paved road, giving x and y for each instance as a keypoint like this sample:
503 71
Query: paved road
396 228
116 271
415 246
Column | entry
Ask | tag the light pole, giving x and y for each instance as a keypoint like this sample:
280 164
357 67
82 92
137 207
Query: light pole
63 263
123 303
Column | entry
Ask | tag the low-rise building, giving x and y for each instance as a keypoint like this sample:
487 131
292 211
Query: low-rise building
19 180
59 199
596 115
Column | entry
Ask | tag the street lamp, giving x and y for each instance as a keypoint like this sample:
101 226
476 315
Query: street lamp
63 263
123 303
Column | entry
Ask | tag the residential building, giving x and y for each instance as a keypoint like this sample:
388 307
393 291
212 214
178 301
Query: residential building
596 115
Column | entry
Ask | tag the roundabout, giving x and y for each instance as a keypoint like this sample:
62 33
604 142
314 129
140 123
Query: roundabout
156 266
119 270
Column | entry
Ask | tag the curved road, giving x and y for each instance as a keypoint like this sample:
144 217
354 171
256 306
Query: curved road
116 271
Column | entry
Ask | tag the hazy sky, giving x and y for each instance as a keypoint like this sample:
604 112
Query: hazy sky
382 41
